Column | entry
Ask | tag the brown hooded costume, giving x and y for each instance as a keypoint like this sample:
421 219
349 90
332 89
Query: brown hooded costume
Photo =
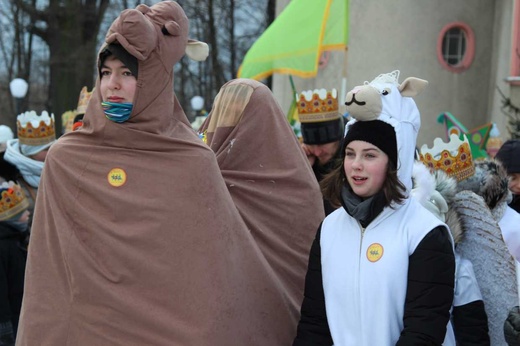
138 240
268 176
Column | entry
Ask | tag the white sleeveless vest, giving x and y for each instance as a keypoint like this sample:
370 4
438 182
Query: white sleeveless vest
365 272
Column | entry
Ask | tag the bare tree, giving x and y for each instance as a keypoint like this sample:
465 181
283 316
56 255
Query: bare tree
512 112
271 15
229 27
70 29
58 42
16 47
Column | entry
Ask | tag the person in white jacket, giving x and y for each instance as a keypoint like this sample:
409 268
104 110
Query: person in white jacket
381 268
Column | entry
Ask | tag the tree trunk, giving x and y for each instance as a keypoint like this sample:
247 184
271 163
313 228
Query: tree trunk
232 48
71 33
70 29
271 16
218 72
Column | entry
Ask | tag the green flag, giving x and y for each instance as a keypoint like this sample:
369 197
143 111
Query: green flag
477 137
293 43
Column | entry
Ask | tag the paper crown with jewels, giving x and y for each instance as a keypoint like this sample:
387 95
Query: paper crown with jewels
35 129
84 97
477 137
67 120
453 157
12 200
494 141
317 106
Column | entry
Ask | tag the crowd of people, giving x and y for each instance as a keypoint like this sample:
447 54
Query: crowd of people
21 164
133 228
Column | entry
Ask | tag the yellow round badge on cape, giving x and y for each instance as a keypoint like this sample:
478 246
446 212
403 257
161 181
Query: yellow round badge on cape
375 252
116 177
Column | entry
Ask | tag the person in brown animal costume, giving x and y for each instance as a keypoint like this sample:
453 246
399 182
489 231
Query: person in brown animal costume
139 241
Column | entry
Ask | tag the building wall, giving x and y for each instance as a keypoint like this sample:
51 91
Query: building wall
389 35
501 62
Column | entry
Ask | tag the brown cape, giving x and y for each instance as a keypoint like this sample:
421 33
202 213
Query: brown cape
136 238
268 176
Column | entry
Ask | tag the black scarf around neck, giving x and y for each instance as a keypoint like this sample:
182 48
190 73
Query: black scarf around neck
363 210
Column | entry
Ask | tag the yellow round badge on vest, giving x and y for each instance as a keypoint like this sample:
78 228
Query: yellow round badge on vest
375 252
116 177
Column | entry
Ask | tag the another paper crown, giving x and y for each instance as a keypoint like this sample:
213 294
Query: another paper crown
67 119
317 106
12 200
34 129
453 157
494 141
84 97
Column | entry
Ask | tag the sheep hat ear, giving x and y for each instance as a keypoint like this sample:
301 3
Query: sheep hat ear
197 50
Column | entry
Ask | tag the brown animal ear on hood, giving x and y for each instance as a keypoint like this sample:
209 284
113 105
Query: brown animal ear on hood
135 32
197 50
412 86
140 31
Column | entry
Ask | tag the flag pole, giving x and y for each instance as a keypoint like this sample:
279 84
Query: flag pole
344 82
292 109
345 58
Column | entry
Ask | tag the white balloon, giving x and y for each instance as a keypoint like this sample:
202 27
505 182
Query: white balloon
18 87
197 103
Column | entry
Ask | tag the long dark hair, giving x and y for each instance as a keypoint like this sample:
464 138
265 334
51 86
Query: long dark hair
332 184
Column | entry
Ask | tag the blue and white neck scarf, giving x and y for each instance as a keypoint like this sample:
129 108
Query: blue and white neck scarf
117 112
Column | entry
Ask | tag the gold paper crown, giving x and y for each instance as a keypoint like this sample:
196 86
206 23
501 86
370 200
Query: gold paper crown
317 106
35 130
84 97
494 142
453 157
12 200
67 119
493 145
